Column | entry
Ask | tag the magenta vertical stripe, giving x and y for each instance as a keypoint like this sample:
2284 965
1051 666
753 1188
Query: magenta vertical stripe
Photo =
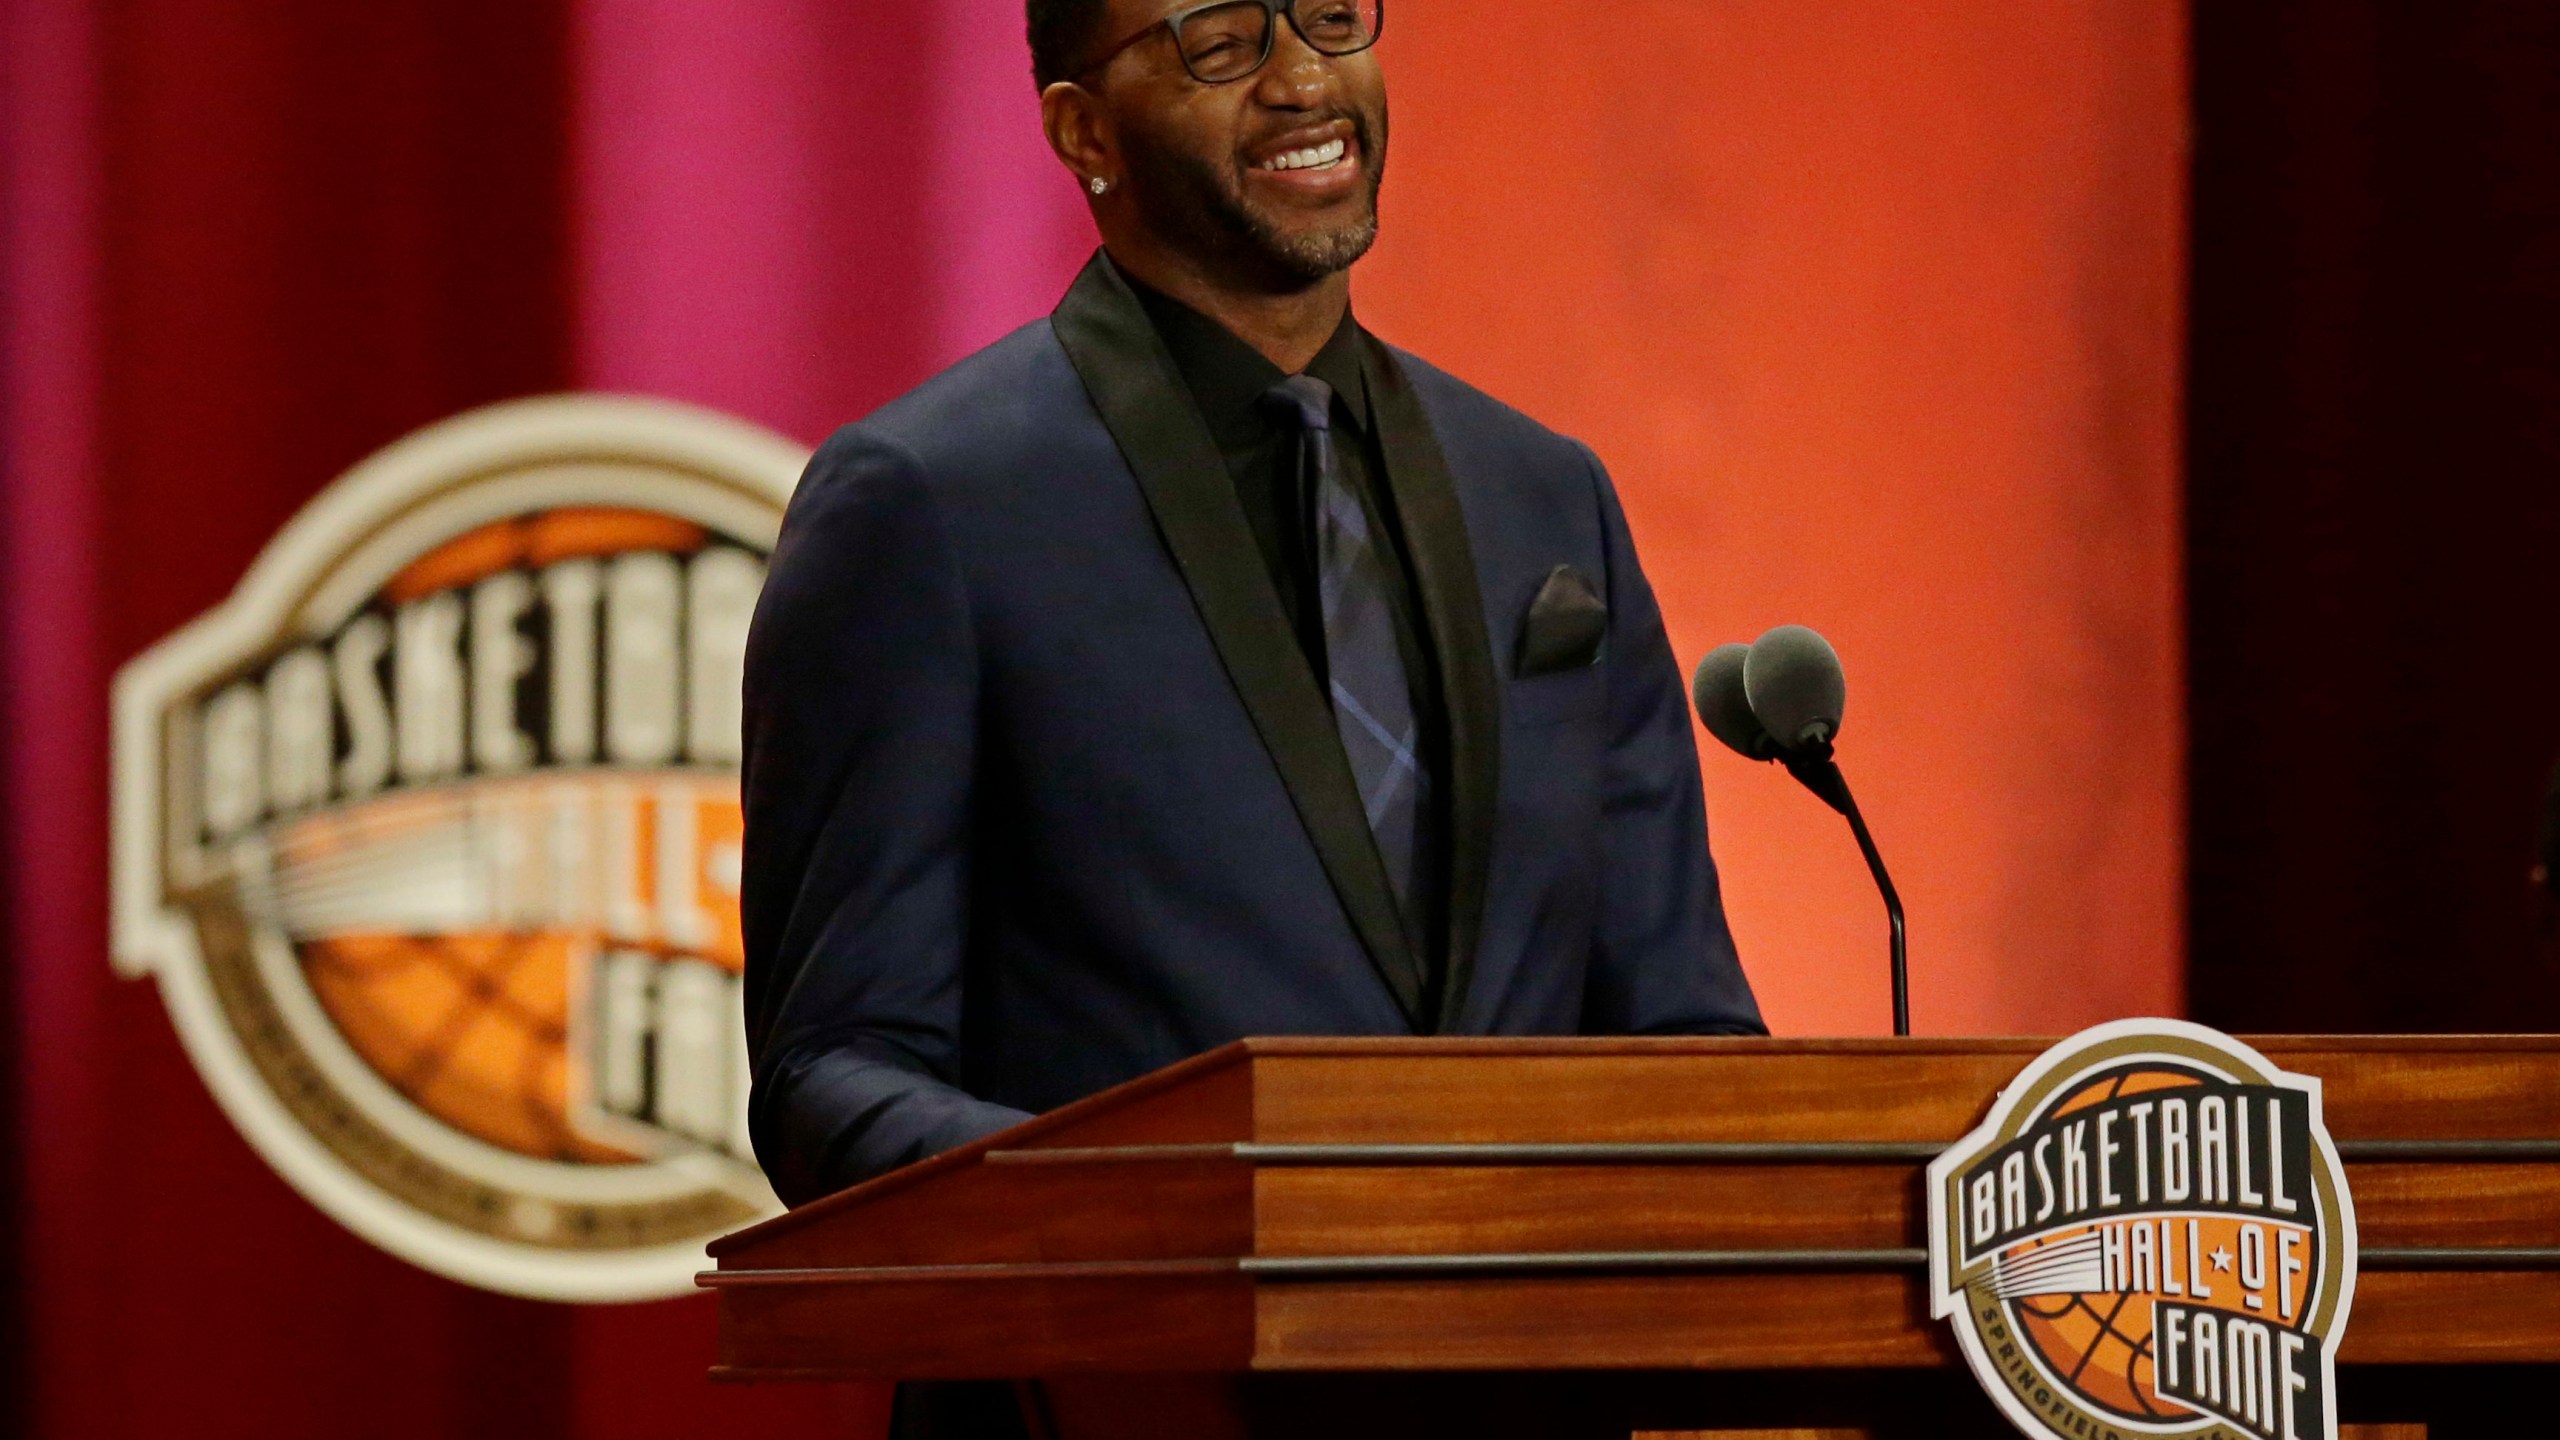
1007 225
797 209
55 701
794 210
698 243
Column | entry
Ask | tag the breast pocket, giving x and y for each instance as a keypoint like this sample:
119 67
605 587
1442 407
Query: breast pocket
1557 699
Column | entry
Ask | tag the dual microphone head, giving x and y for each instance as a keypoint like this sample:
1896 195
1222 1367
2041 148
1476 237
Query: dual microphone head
1780 695
1781 698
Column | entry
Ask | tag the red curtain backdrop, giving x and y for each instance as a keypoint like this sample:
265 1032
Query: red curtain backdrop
1874 311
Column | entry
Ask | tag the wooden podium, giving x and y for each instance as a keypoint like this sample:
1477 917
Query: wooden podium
1341 1238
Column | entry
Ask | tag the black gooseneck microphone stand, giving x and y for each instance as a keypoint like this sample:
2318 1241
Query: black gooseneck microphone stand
1813 766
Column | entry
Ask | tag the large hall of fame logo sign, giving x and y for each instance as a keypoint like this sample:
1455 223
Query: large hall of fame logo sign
430 836
2151 1235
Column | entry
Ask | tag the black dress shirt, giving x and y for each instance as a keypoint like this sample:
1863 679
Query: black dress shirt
1228 379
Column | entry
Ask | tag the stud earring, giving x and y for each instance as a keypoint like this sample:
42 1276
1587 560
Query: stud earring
1098 186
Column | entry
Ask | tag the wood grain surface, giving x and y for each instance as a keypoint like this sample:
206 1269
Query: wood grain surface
1105 1239
2345 1432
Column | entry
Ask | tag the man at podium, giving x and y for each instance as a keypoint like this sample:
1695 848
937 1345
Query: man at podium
1192 665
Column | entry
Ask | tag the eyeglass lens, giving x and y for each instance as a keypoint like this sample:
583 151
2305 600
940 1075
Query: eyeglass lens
1229 42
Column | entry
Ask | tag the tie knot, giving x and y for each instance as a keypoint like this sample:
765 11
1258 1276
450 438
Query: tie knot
1302 398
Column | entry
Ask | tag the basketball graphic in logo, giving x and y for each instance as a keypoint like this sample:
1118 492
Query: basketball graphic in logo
2151 1235
430 835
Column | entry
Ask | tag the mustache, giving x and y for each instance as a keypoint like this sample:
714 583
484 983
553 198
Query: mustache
1362 128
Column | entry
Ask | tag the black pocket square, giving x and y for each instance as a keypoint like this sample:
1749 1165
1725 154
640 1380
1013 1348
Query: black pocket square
1564 627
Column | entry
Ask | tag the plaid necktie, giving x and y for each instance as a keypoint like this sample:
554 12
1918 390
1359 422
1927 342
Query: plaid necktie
1372 695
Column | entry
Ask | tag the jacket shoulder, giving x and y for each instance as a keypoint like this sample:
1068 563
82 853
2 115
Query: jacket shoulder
1005 401
1465 417
979 451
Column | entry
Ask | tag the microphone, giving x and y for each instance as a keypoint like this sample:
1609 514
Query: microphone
1723 700
1793 681
1781 698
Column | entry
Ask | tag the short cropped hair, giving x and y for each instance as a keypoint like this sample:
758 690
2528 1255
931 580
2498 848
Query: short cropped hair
1062 32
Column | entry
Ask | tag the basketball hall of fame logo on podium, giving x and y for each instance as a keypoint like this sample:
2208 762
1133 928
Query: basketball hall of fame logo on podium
430 835
2150 1235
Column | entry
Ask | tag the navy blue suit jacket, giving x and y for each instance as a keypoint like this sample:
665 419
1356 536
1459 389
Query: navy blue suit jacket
1041 794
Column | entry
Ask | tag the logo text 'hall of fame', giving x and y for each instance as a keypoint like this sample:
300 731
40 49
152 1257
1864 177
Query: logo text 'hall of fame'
2150 1235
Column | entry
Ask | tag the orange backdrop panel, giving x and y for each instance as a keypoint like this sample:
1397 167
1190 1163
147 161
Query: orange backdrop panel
1875 313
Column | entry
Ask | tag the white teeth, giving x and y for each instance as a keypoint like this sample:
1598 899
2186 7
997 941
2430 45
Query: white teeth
1312 158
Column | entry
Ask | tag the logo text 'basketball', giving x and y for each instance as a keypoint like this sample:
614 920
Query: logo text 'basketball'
431 836
2150 1235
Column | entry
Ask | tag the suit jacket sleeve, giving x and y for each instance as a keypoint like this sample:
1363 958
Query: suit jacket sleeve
1664 962
861 739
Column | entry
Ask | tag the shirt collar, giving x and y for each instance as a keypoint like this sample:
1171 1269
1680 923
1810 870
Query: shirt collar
1228 377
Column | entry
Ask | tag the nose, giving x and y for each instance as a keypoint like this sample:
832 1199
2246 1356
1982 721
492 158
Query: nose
1298 75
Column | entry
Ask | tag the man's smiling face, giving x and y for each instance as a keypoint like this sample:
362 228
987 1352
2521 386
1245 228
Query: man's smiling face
1274 177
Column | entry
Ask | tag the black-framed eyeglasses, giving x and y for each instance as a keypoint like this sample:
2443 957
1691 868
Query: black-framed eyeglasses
1224 42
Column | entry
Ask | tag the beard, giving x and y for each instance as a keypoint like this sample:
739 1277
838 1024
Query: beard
1203 203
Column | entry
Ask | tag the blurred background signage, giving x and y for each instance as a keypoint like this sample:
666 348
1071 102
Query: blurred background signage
430 836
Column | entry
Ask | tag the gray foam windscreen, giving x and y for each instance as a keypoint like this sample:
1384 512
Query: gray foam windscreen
1723 707
1795 686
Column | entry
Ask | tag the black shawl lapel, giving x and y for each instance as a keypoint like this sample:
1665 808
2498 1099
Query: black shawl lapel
1143 402
1435 530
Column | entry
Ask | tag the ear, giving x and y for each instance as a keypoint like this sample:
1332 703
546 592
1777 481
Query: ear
1080 132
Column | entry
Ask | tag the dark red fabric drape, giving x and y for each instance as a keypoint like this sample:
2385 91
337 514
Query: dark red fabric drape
315 228
2374 513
